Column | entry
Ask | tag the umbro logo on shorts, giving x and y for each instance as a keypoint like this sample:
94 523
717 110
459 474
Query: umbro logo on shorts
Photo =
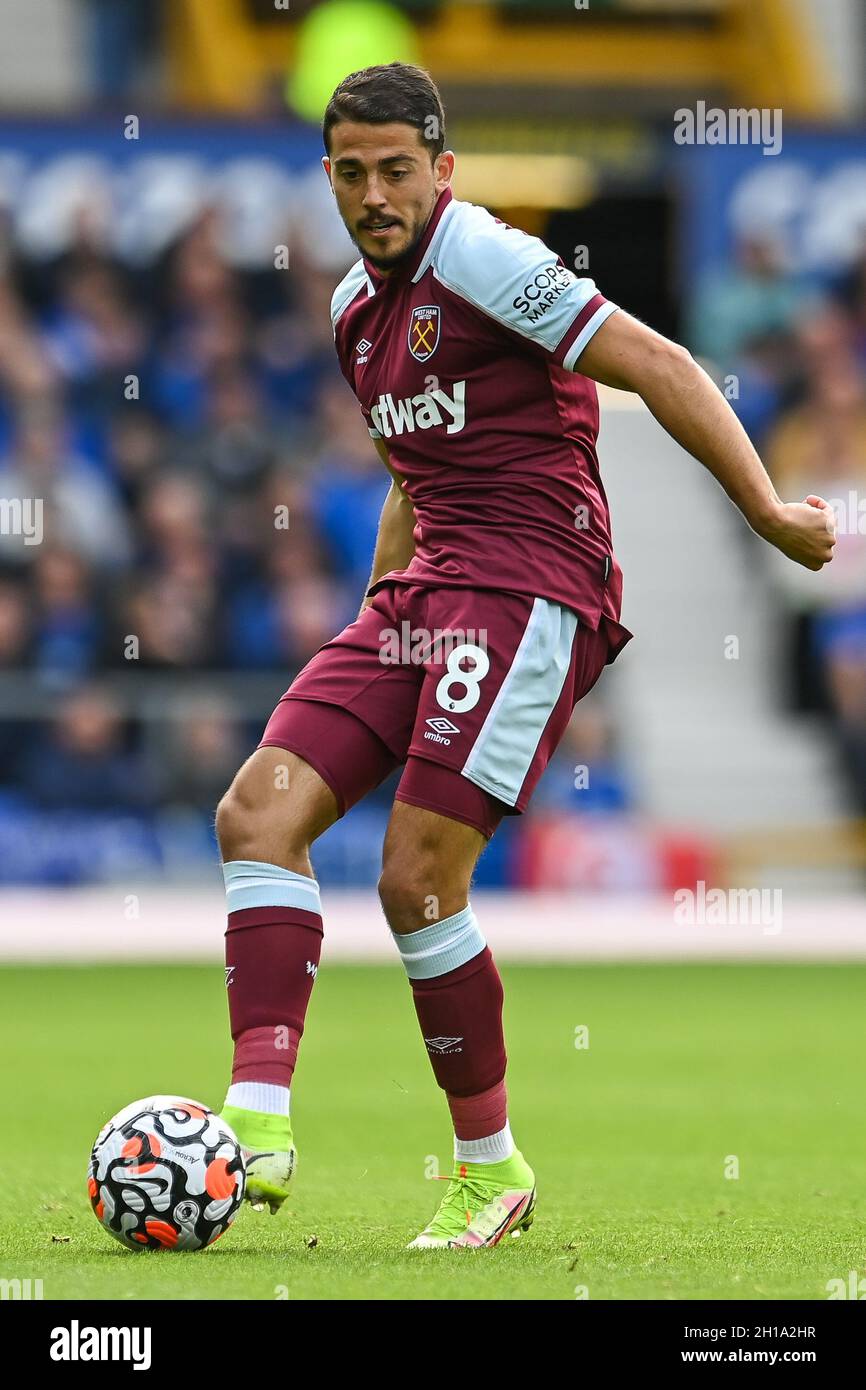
441 727
443 1044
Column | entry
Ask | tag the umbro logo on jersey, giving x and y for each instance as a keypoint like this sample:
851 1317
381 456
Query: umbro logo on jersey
424 325
422 412
442 725
362 349
443 1045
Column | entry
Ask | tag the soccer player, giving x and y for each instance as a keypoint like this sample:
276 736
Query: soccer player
473 352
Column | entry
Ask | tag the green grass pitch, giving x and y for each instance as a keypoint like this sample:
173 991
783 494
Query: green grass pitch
630 1137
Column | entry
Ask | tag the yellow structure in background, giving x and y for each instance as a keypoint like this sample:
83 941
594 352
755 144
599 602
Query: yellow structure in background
757 52
215 58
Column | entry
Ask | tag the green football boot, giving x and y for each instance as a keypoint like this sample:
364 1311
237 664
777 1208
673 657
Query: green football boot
269 1154
483 1202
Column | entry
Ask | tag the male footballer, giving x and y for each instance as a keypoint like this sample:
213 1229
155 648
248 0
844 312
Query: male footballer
473 352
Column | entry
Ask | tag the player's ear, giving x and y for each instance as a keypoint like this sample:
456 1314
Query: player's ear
444 169
326 165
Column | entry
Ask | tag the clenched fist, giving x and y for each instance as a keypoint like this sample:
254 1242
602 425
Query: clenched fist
804 531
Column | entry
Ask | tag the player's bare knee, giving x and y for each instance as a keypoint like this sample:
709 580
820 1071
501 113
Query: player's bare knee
394 897
417 890
234 823
273 811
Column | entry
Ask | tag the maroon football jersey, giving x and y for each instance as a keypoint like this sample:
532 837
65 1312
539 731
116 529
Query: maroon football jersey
463 361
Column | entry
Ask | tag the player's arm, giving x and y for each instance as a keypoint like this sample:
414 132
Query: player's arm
395 542
624 353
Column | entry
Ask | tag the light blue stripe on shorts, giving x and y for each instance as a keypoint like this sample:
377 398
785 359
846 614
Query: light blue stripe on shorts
503 751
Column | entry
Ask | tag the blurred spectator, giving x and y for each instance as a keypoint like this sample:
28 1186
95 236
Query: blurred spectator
584 774
95 341
819 445
741 320
167 622
137 448
24 368
82 762
851 296
282 615
174 520
204 749
349 485
204 324
15 653
236 446
744 303
14 626
295 344
67 622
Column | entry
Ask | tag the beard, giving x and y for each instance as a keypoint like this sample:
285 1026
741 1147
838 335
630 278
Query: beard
394 258
389 260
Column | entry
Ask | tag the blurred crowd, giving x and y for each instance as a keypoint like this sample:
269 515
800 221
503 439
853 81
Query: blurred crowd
791 351
209 493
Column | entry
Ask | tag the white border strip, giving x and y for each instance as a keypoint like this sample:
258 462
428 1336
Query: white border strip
187 924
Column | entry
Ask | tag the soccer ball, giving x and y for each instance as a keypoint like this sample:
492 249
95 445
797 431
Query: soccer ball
166 1173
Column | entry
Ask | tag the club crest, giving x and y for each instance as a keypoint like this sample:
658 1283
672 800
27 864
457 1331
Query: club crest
424 325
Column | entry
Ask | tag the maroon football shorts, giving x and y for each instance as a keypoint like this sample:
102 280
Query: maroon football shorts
471 688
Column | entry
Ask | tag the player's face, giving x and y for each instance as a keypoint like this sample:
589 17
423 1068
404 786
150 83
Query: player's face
386 187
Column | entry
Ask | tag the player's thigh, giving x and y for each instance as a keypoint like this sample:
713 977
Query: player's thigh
427 865
275 807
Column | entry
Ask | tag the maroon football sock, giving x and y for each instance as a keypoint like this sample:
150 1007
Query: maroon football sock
477 1117
460 1014
272 956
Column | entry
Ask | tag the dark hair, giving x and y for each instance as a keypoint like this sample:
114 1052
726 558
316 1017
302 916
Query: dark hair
390 92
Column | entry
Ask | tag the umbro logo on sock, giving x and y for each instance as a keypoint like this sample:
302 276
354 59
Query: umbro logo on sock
230 970
443 1044
312 969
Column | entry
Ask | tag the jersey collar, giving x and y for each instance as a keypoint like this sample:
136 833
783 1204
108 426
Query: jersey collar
407 269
